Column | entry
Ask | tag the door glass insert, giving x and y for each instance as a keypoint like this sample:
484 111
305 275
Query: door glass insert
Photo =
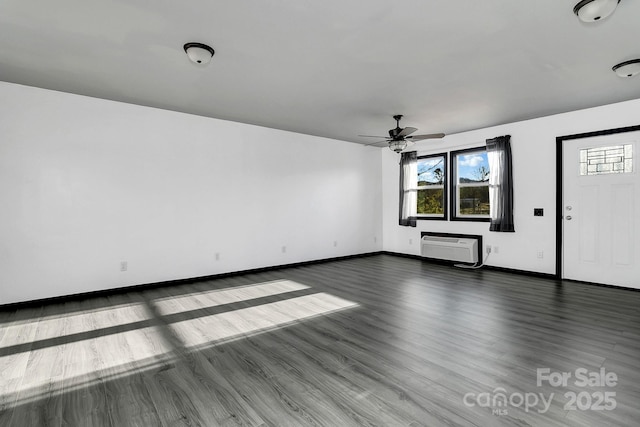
606 160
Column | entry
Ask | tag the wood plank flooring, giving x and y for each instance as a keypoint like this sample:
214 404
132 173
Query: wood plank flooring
372 341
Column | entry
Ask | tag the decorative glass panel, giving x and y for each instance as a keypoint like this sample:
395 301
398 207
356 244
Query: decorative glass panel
606 160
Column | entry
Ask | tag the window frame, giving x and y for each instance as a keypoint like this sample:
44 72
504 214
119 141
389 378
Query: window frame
455 216
445 202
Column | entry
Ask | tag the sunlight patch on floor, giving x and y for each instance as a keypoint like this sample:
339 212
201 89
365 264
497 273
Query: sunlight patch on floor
213 298
57 354
55 326
247 321
68 366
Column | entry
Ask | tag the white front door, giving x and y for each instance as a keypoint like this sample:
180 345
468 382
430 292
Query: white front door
601 204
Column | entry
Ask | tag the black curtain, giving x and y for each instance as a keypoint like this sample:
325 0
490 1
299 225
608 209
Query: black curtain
500 184
408 190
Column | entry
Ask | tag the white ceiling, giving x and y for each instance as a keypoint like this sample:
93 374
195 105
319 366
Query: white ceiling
329 68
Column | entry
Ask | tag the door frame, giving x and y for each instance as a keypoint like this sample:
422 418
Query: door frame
560 184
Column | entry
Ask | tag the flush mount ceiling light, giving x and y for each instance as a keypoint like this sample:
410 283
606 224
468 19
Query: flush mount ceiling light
627 68
199 53
595 10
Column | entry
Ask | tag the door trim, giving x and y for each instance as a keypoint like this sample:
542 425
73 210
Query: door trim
559 182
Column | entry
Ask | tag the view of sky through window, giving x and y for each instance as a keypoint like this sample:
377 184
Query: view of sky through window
431 171
473 167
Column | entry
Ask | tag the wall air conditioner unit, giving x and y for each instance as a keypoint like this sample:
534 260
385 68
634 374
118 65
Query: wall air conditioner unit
449 248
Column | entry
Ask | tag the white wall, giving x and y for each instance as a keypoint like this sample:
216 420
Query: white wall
87 183
533 144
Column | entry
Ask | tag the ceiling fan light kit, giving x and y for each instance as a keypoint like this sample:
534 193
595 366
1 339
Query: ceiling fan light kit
199 53
397 146
595 10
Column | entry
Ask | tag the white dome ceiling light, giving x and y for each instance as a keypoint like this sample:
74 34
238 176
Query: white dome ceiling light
199 53
627 68
595 10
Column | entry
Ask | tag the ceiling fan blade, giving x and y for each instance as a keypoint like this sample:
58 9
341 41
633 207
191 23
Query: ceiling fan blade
377 142
372 136
427 136
406 131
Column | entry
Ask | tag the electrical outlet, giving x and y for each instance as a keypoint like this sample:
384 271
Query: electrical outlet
488 249
124 265
217 256
496 249
335 243
411 241
540 254
284 249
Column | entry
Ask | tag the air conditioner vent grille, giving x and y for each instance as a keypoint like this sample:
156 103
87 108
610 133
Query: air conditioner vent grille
450 248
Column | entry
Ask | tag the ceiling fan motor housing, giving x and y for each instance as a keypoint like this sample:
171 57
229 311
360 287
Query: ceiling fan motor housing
394 132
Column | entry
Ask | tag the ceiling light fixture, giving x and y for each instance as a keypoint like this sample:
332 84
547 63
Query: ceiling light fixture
199 53
627 68
397 145
595 10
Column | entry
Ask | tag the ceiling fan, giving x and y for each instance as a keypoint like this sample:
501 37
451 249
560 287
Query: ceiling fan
399 138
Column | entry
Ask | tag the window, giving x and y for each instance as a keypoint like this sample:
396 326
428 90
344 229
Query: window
431 201
470 191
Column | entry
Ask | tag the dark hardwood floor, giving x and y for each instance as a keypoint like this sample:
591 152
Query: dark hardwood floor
372 341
